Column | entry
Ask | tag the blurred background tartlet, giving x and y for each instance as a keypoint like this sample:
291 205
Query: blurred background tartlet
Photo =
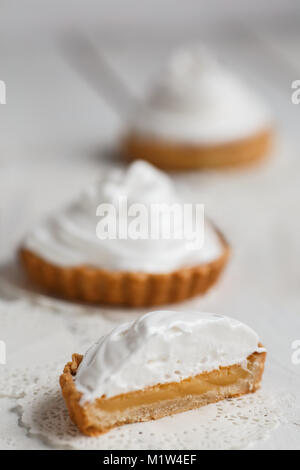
198 114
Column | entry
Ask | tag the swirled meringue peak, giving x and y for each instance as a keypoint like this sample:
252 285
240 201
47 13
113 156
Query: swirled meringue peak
76 235
197 100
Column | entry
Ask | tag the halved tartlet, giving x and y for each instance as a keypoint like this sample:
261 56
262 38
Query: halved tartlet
102 391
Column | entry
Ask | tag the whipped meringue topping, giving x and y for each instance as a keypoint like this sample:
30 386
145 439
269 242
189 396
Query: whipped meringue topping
69 238
162 347
197 100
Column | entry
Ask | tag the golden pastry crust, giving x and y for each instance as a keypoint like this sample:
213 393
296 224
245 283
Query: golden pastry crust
98 286
178 156
103 414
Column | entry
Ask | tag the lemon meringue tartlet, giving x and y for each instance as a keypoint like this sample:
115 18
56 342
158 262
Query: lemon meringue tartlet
65 256
163 363
198 114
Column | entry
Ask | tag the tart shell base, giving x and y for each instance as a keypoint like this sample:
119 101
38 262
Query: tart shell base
94 418
178 156
93 285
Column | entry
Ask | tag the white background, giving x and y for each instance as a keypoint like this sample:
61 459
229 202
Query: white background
66 106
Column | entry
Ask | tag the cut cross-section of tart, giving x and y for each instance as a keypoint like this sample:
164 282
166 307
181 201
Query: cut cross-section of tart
164 363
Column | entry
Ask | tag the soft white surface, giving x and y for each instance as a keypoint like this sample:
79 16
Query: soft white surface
52 133
69 237
160 347
197 100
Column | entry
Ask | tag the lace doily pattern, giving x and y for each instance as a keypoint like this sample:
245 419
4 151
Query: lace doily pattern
42 413
230 424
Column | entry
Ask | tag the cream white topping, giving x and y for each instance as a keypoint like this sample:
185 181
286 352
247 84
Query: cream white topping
69 238
162 347
196 100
